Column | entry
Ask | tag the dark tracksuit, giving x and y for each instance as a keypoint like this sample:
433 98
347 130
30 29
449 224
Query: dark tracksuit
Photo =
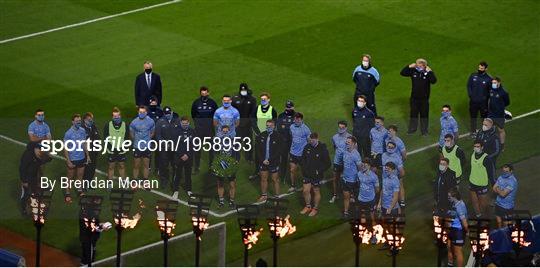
275 147
246 106
166 130
29 170
283 125
258 131
202 112
181 165
363 122
365 85
155 113
497 102
441 186
478 90
492 147
419 101
92 133
315 161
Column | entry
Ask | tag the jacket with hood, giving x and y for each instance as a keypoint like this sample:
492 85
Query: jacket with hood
246 106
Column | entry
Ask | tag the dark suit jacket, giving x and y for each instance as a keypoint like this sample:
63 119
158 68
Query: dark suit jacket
143 93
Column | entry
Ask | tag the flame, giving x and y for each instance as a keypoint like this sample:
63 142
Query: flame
378 232
200 224
91 224
483 244
439 230
165 225
396 242
125 222
283 227
521 242
37 209
250 236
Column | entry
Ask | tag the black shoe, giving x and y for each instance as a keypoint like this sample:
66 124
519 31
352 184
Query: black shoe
221 203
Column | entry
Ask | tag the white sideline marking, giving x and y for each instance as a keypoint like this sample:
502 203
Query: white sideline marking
88 21
230 212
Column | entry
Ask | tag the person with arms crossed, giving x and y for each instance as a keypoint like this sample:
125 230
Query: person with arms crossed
506 190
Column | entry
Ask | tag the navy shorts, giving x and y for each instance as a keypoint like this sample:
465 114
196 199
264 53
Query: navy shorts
79 163
338 168
479 190
502 212
350 187
366 206
114 157
498 121
142 154
456 236
270 168
315 182
295 159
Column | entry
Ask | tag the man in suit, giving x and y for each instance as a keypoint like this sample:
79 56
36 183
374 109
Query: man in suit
147 84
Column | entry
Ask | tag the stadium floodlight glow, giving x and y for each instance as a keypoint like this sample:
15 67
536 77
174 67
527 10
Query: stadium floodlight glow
479 238
247 220
518 217
360 229
90 209
121 200
40 204
440 228
393 226
166 216
279 224
199 207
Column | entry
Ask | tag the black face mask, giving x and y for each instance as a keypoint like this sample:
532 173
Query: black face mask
148 71
289 111
204 98
153 107
481 72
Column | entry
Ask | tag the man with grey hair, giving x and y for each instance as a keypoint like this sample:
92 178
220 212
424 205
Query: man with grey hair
421 77
147 84
366 78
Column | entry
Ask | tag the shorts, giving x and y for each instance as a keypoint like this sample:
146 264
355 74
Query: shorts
315 182
221 180
270 168
393 212
79 163
142 154
503 212
479 190
115 157
338 168
498 121
295 159
350 187
366 206
456 236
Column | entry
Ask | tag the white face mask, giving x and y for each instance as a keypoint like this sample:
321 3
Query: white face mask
448 144
360 104
442 167
365 63
243 92
485 128
477 150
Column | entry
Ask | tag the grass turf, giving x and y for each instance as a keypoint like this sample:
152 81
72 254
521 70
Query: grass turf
292 49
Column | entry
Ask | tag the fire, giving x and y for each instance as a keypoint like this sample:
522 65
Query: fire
91 224
283 228
125 222
37 210
250 236
200 223
378 232
397 243
165 225
521 242
483 244
440 231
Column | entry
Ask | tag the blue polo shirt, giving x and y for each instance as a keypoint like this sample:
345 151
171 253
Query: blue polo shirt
142 130
390 185
368 184
75 135
39 129
340 144
458 212
392 157
377 136
449 125
400 145
227 117
351 160
507 183
299 135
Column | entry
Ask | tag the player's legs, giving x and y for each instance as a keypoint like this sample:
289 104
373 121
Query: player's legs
232 189
475 202
306 192
275 181
264 182
458 254
450 254
121 169
136 167
401 192
146 167
293 167
110 170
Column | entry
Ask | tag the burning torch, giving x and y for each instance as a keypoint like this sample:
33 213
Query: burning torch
394 236
199 207
247 220
40 204
440 228
279 225
517 234
166 215
121 200
479 238
90 209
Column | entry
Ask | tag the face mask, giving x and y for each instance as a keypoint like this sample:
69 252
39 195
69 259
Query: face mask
243 92
494 85
142 115
485 128
117 120
313 142
391 150
365 64
447 144
341 130
264 102
378 125
506 174
204 98
361 104
445 114
297 124
289 111
363 167
40 118
77 125
270 129
481 72
184 126
168 117
153 106
478 150
442 167
148 71
89 123
226 104
420 69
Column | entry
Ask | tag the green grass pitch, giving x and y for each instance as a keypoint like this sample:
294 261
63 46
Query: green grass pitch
302 50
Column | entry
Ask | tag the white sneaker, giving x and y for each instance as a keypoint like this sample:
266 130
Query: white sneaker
175 195
189 193
291 190
333 199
